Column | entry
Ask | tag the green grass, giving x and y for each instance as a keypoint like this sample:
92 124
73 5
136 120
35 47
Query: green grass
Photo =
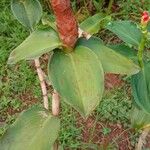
70 135
15 80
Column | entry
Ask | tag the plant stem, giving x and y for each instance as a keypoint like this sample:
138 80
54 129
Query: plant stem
55 111
142 138
55 97
42 77
108 11
42 82
55 103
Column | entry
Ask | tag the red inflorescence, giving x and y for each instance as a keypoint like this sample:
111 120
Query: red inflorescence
145 17
66 22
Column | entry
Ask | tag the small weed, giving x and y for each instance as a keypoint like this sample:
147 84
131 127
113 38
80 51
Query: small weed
106 131
115 107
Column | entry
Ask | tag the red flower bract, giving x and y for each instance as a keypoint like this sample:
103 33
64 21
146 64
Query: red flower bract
145 17
66 22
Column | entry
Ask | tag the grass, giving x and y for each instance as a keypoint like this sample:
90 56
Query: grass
15 80
19 80
70 135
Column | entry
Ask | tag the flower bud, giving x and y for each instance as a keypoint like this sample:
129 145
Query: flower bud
145 18
66 22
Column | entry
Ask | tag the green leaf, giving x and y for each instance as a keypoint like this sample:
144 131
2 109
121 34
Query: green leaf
124 50
27 12
139 118
141 88
35 129
93 24
38 43
126 31
78 77
112 62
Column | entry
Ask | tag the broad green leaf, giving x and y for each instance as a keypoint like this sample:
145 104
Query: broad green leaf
141 88
38 43
139 118
93 24
27 12
112 62
35 129
124 50
78 77
126 31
